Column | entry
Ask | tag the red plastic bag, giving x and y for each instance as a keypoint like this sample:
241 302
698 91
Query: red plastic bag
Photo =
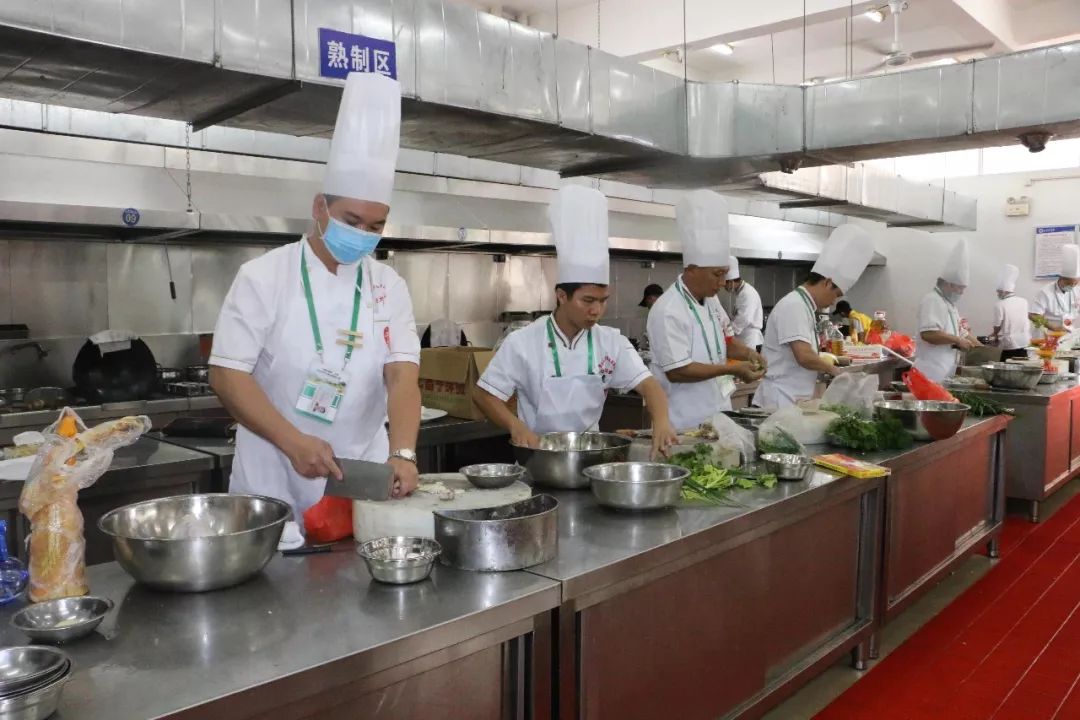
923 388
328 520
901 344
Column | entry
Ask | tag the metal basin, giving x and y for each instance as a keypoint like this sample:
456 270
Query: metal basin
561 457
788 466
925 419
23 668
637 485
400 560
508 537
63 620
491 476
195 543
1012 376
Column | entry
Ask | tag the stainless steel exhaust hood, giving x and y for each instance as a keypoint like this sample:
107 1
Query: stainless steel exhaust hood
484 87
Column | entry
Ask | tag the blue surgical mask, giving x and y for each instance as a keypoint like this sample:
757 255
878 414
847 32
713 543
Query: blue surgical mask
348 244
953 297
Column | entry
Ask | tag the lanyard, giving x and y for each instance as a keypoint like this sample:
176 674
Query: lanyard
315 318
951 309
555 350
813 316
691 303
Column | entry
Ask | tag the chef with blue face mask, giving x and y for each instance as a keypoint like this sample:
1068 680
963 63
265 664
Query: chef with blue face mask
316 344
940 333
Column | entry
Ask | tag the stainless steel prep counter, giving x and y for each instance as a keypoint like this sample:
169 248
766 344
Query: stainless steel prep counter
311 638
1043 440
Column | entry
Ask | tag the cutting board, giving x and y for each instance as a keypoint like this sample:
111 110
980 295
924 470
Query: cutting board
412 515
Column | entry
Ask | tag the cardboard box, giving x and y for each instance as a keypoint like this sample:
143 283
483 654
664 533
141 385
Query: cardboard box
448 379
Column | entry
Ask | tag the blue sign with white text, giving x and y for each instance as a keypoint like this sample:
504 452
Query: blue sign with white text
342 53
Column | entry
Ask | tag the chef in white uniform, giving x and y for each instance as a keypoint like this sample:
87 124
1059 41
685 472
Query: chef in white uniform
690 335
748 318
316 344
940 333
1012 328
561 366
1059 302
791 339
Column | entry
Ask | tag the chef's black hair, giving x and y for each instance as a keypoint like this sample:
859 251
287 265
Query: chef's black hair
571 288
843 307
814 278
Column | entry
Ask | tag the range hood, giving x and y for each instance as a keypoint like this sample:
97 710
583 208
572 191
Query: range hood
57 186
485 87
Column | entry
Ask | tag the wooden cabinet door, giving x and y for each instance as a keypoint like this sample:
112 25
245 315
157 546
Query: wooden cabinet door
1059 434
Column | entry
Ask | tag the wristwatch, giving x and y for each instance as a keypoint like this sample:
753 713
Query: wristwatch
404 454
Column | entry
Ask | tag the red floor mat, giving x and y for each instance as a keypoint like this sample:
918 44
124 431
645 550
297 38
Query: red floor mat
1007 648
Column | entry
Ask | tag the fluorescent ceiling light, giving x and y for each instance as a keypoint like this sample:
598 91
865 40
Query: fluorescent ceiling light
723 49
875 15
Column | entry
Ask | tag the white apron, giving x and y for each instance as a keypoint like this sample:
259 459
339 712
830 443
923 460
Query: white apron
569 404
797 383
358 432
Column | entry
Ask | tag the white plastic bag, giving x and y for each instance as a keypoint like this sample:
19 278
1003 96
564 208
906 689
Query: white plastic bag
807 425
856 391
730 435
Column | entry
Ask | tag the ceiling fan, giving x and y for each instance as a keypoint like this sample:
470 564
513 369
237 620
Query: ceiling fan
896 56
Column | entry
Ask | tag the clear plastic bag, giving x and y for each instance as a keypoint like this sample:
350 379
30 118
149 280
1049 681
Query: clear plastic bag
72 458
806 425
856 391
731 435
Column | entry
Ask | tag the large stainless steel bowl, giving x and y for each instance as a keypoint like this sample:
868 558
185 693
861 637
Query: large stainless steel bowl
637 485
195 543
562 456
508 537
925 419
1012 376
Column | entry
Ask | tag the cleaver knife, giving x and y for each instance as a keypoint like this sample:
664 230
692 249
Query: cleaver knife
361 480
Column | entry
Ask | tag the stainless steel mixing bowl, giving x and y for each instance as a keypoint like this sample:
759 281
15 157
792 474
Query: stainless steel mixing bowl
491 476
22 668
195 543
400 560
561 457
507 537
63 620
925 419
788 466
637 485
1012 376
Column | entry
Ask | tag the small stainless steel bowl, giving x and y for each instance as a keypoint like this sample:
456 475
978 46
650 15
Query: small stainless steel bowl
787 466
491 476
22 668
59 621
400 560
636 485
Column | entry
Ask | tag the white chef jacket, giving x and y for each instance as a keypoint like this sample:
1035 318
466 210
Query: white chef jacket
1055 304
676 339
264 329
937 362
749 316
1011 315
793 318
524 363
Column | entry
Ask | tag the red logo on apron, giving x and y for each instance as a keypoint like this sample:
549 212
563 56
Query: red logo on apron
386 336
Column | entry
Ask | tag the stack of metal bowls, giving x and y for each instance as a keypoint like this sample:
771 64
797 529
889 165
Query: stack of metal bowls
31 681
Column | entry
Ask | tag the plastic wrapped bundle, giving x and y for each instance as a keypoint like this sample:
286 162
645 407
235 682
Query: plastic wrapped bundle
72 458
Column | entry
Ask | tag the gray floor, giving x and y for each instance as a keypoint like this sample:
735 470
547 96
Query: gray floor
833 682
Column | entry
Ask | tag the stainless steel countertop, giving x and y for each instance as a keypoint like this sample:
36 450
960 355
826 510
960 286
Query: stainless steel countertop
145 459
885 456
1041 395
42 418
158 653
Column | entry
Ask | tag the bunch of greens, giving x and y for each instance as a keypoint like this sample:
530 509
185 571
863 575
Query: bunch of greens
981 406
779 440
712 484
853 431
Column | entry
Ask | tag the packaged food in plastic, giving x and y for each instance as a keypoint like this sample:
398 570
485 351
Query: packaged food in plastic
855 391
804 425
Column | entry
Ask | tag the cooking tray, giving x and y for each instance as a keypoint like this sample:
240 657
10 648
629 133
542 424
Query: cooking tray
508 537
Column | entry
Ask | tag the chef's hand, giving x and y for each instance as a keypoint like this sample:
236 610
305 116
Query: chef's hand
965 343
745 371
312 457
406 477
663 437
756 357
523 436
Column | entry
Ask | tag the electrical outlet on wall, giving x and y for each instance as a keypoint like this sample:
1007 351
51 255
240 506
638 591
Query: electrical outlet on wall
1018 206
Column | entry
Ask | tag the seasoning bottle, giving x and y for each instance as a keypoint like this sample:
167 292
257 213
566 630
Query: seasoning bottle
13 574
836 341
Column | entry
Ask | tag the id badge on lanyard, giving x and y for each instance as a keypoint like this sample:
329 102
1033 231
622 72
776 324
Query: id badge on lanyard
324 388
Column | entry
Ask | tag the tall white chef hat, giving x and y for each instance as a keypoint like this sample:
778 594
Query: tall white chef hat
1007 278
702 217
579 222
1070 261
845 255
957 268
363 153
733 268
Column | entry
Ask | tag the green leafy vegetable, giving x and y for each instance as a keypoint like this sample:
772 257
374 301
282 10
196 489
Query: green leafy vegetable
981 406
711 484
852 431
779 440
